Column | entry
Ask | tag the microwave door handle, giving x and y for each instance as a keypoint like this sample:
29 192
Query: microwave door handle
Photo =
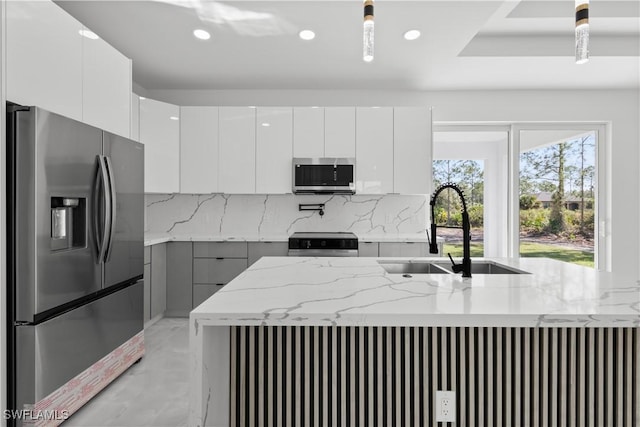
100 191
112 211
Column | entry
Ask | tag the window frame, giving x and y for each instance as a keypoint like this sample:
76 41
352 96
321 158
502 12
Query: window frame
603 202
602 208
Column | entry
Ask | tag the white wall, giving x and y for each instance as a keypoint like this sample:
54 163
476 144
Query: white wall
620 108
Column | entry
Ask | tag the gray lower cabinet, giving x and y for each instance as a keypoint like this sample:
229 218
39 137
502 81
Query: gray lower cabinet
403 249
158 279
258 250
217 271
214 265
147 283
220 250
179 279
202 292
368 249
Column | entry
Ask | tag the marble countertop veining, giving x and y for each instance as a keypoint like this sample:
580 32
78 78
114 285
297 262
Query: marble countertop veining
359 292
153 238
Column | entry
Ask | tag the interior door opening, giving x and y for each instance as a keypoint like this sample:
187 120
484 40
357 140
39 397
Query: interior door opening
477 161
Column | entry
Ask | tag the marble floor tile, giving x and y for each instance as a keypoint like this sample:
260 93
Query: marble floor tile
153 392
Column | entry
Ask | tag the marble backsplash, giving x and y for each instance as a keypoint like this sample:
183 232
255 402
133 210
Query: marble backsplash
278 215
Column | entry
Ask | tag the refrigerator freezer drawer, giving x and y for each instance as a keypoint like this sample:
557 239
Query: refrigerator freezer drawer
51 353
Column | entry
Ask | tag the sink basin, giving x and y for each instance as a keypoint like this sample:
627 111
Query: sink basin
412 267
486 267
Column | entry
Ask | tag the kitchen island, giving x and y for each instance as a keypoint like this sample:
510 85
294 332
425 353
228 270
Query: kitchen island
342 341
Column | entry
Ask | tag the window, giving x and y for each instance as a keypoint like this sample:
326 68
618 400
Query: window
557 197
469 176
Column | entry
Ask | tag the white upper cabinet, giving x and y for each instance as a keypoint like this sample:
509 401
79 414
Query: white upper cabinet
274 150
374 150
198 150
160 134
51 65
340 132
308 132
106 87
44 57
237 162
412 150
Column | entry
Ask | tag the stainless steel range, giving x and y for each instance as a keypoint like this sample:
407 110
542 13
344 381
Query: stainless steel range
323 244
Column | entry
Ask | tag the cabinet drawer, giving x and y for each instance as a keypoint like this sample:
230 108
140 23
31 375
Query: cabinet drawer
147 254
202 292
403 249
220 250
214 270
366 249
259 249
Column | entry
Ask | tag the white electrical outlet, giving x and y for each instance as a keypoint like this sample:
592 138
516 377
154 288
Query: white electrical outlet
445 406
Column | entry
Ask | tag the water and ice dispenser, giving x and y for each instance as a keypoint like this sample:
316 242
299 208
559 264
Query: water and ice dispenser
68 223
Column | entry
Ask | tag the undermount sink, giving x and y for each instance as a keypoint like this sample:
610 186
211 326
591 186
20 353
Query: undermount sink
486 267
412 267
429 267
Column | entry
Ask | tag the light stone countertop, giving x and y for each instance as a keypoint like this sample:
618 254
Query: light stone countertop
304 291
151 238
359 292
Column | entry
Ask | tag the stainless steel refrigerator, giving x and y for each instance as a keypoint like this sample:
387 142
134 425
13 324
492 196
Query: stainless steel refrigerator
75 248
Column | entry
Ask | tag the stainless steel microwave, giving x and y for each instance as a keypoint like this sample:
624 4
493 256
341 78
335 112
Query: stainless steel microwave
324 175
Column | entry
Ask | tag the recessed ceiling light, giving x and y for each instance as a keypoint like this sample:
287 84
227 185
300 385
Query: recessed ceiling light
412 34
266 124
201 34
88 34
173 118
307 35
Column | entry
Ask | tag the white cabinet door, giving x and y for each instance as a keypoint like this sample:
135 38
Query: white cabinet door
308 132
135 117
340 132
44 57
412 150
237 163
160 134
198 150
374 150
106 87
274 150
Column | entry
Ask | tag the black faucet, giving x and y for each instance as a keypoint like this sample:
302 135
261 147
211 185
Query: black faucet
465 267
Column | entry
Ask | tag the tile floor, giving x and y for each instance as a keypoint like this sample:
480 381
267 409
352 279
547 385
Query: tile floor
153 392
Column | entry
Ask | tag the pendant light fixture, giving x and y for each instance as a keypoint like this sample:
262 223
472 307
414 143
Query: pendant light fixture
582 31
367 38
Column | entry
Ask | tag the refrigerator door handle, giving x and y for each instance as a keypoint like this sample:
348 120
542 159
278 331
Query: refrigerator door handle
102 180
113 206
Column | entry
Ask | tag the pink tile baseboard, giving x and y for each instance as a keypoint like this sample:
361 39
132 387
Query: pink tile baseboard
59 405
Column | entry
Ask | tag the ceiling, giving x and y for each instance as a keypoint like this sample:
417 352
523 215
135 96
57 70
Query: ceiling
513 44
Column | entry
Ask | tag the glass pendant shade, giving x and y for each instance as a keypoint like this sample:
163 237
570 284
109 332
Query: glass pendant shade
582 31
367 35
367 47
